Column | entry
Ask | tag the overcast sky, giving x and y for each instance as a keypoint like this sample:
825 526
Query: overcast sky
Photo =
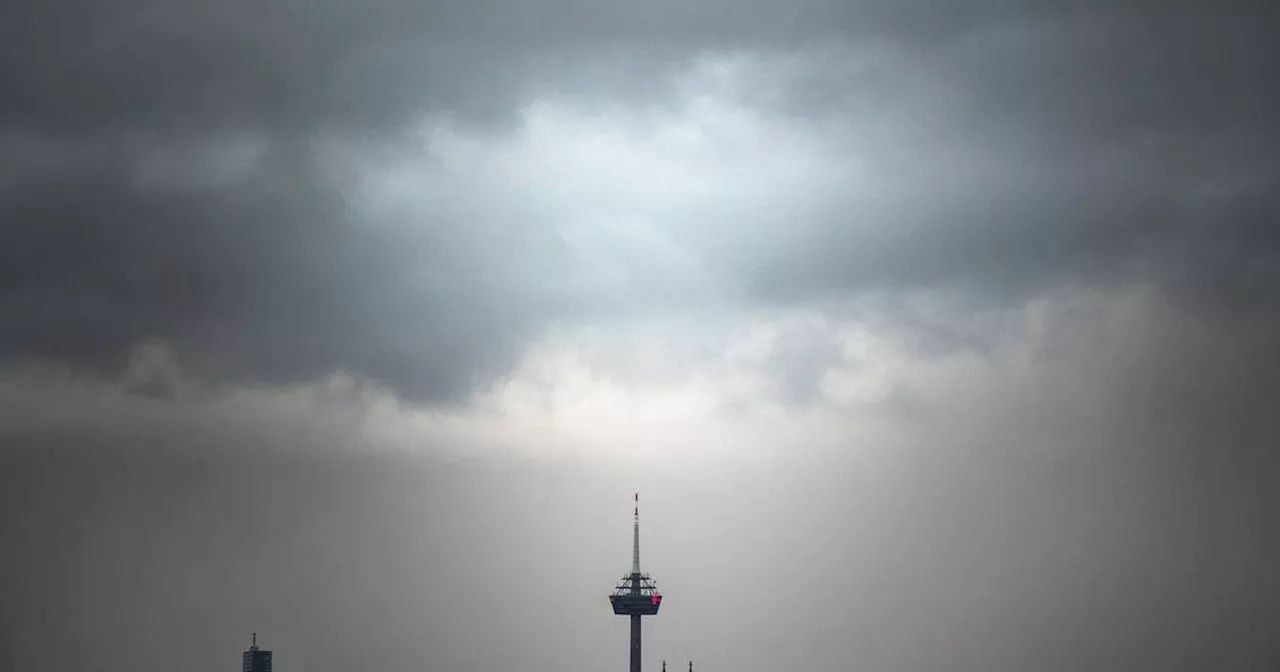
935 336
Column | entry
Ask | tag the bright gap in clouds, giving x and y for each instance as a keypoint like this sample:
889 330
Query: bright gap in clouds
636 195
642 200
647 204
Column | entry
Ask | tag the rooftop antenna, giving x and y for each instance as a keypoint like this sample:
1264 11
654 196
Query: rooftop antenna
635 541
664 666
253 646
691 666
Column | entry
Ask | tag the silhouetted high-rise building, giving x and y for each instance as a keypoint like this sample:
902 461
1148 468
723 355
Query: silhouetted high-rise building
255 659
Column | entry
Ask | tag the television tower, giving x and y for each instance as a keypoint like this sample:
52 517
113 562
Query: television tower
636 595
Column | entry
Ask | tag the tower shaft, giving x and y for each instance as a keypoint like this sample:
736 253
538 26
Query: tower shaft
635 643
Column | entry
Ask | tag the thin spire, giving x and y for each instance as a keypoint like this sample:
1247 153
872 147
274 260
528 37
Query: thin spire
664 666
691 666
253 642
635 541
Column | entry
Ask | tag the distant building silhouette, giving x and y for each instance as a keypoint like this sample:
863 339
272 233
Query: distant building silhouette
255 659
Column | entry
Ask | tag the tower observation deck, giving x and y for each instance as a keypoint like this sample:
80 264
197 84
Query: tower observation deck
636 594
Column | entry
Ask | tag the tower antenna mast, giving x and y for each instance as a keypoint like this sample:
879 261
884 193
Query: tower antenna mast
635 538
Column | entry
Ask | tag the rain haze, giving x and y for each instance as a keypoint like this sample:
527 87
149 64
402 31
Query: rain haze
934 336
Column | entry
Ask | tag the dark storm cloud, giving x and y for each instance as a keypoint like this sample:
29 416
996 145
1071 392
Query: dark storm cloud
91 65
1049 149
297 66
266 279
1099 119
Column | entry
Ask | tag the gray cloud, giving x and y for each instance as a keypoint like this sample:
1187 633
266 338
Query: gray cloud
1020 150
269 278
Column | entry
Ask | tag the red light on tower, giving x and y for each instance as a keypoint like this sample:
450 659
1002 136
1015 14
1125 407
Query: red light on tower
656 598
